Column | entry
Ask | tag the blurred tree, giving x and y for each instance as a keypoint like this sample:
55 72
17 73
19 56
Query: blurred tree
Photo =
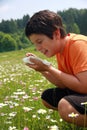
7 43
8 26
82 21
71 18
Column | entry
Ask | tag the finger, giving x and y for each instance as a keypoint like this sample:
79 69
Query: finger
28 54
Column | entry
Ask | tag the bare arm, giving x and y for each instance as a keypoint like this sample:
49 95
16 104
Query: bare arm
52 79
76 82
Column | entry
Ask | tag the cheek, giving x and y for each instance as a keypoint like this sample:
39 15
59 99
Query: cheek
54 50
51 52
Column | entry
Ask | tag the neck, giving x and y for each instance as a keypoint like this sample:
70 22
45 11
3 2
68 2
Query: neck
64 42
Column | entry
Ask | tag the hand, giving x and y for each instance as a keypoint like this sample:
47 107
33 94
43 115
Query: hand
30 54
38 64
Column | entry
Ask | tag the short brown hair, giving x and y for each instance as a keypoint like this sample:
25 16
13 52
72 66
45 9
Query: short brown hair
44 22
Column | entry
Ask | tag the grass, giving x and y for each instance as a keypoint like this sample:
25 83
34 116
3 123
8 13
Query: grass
20 90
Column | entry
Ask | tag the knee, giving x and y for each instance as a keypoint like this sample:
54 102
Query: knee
62 106
64 109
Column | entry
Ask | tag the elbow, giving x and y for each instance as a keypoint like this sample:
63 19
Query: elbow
83 89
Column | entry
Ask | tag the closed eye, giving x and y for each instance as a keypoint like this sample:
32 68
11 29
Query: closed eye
39 41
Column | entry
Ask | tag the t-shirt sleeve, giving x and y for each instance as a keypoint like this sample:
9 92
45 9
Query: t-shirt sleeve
78 56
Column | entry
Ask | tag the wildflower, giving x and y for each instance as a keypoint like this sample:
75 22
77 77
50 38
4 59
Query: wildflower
26 109
53 120
35 98
41 111
11 106
84 103
34 89
54 127
14 96
73 114
25 97
3 114
12 128
30 100
2 105
33 93
12 114
48 117
15 104
61 120
22 83
18 90
34 116
19 93
8 102
50 111
8 122
26 128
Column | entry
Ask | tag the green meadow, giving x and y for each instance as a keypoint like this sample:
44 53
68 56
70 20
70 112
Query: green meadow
20 90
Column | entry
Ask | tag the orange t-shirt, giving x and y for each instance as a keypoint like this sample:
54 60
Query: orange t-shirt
74 57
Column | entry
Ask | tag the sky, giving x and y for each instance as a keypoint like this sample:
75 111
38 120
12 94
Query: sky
16 9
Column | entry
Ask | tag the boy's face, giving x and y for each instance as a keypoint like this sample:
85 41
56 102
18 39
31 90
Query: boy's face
49 47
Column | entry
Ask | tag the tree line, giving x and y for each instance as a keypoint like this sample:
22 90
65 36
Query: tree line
12 32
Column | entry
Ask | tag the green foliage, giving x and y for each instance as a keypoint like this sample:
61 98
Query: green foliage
73 28
76 28
74 20
82 21
7 43
24 40
22 22
16 41
8 26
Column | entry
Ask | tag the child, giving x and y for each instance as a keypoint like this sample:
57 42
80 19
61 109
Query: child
45 30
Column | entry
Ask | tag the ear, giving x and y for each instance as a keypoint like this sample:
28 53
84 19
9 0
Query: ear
56 34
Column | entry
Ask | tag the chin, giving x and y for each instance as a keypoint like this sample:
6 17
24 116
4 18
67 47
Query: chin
49 56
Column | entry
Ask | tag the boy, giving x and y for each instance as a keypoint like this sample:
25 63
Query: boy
45 30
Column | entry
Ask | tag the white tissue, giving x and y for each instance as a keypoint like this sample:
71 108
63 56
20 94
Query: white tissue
27 60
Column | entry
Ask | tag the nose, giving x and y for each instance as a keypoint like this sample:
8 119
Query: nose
39 47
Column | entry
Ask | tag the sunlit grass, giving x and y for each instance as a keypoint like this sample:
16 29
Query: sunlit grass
20 91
